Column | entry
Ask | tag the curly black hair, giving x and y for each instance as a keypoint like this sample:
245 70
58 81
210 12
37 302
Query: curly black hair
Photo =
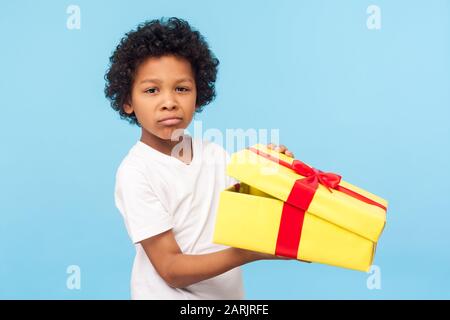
158 38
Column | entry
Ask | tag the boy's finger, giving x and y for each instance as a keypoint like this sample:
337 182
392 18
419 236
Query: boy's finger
281 148
284 258
290 154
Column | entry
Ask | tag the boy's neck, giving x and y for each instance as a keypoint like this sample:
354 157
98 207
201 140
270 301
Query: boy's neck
166 146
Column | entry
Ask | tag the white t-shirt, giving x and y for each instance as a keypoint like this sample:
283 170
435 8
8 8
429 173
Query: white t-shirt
156 192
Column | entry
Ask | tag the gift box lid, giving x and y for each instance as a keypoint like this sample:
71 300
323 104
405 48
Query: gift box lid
322 194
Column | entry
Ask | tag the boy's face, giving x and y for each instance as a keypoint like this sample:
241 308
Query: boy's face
163 96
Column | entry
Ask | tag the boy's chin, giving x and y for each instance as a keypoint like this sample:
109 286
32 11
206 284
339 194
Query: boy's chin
172 135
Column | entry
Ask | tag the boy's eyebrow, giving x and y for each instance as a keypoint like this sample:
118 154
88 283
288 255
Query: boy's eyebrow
159 81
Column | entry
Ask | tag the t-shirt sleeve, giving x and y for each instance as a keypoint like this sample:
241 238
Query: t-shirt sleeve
143 213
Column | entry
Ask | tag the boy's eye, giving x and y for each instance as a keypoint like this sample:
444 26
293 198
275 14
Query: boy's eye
151 90
183 89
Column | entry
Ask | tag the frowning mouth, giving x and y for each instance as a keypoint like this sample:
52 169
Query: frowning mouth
170 121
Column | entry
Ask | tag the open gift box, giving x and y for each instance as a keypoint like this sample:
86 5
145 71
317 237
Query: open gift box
285 207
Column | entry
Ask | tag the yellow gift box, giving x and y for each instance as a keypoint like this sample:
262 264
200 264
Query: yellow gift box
285 207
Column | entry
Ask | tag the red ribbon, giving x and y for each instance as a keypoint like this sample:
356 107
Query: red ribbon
315 176
300 198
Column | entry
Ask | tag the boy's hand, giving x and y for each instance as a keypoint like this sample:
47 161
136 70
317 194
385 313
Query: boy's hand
281 148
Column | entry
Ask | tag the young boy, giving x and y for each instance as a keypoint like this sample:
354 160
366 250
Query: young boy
168 185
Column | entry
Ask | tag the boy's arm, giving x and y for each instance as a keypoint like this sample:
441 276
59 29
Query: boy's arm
181 270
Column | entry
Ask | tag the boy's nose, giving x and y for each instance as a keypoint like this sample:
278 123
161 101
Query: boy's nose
169 104
169 101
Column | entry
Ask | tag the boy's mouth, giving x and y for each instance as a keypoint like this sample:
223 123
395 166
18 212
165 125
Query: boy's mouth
170 121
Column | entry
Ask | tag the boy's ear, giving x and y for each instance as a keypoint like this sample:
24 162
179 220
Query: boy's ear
128 108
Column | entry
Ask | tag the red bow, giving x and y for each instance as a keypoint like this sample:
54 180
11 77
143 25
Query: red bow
312 175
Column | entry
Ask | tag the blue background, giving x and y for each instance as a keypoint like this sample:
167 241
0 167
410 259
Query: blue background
372 105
